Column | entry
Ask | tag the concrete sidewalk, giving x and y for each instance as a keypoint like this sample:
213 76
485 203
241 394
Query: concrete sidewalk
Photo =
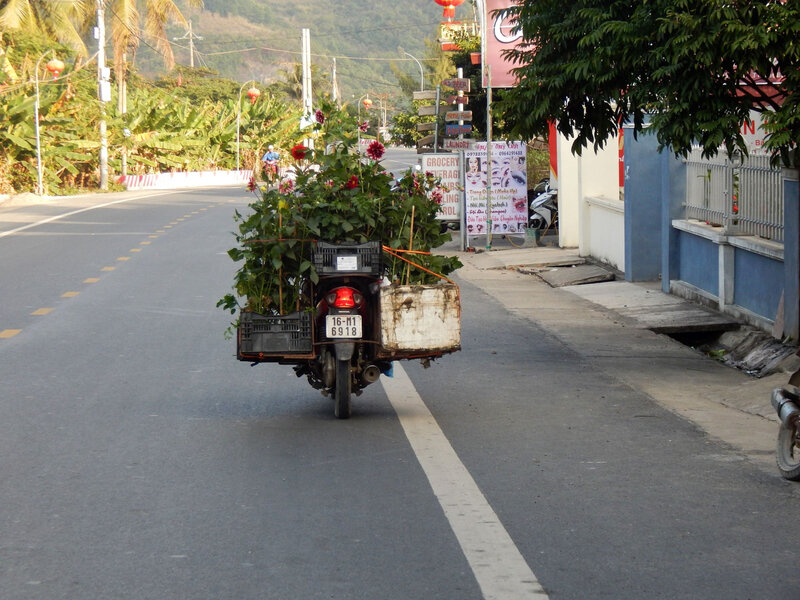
608 326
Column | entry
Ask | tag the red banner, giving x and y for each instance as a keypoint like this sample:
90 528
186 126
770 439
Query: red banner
499 37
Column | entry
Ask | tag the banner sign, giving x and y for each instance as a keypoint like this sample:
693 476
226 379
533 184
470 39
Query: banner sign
509 188
446 167
500 37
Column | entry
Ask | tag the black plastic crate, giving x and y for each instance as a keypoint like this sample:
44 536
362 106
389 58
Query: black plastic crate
261 336
342 259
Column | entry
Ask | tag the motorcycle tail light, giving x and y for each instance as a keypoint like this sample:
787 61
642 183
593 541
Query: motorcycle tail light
344 297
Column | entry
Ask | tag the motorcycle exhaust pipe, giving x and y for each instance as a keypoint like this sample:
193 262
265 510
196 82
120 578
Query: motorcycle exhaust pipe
370 374
785 404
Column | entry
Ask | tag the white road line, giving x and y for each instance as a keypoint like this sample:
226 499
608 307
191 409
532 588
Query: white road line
80 210
495 560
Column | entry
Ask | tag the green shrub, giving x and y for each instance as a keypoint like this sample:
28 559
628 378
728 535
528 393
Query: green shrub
337 196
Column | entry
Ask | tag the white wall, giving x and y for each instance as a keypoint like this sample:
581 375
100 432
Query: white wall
591 215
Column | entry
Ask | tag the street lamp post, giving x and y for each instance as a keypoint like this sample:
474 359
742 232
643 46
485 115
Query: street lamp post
421 73
239 119
39 186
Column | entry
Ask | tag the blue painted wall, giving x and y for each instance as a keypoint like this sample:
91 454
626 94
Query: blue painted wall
698 262
642 207
758 283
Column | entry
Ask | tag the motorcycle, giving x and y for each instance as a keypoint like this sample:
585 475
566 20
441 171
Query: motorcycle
786 402
350 336
543 208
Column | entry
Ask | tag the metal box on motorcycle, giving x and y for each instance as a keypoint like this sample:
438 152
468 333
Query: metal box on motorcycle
420 320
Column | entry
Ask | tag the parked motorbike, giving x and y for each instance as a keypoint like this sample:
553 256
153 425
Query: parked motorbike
786 401
543 208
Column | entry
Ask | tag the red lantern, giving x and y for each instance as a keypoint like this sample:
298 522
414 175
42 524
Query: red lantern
367 103
253 93
449 7
55 67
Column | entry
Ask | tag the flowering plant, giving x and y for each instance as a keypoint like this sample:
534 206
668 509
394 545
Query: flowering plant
338 196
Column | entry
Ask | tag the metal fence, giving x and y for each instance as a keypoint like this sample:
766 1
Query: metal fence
745 197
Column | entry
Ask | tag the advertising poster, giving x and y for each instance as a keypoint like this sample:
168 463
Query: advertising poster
509 188
445 166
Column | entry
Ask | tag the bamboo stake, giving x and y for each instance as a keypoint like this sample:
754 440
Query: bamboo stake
280 270
410 244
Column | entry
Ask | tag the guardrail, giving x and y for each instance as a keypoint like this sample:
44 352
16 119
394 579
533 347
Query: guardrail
184 179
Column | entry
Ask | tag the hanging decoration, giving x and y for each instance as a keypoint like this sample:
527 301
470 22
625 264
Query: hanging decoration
55 67
449 7
253 93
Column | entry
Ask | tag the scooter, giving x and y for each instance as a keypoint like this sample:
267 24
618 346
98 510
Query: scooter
786 401
544 209
347 326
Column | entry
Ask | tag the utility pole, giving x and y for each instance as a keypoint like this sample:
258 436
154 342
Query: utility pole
103 91
334 85
191 37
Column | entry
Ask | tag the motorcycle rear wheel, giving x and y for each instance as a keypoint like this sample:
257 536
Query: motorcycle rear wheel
788 453
341 408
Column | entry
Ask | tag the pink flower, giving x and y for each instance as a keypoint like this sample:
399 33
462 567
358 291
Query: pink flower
320 117
436 196
286 186
375 150
352 182
364 126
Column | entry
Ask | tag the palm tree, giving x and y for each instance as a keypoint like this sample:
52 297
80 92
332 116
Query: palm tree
62 21
126 30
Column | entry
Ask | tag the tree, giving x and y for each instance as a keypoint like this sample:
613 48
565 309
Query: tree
62 21
695 69
290 84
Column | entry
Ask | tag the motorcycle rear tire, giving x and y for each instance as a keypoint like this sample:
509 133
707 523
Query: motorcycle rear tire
341 408
788 453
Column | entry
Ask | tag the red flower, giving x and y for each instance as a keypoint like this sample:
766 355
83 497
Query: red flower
286 186
436 196
375 150
251 185
364 126
299 152
320 117
352 182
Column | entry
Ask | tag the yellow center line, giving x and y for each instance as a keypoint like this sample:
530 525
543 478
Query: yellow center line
9 333
42 311
145 243
159 231
135 250
91 280
123 258
69 294
108 268
152 237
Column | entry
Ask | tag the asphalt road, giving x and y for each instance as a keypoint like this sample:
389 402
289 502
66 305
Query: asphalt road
139 460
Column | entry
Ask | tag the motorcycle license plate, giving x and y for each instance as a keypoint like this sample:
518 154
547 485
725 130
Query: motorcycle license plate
343 326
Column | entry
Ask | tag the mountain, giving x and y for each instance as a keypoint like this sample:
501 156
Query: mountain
258 39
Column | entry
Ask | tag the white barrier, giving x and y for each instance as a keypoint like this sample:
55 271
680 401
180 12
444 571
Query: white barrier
186 179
